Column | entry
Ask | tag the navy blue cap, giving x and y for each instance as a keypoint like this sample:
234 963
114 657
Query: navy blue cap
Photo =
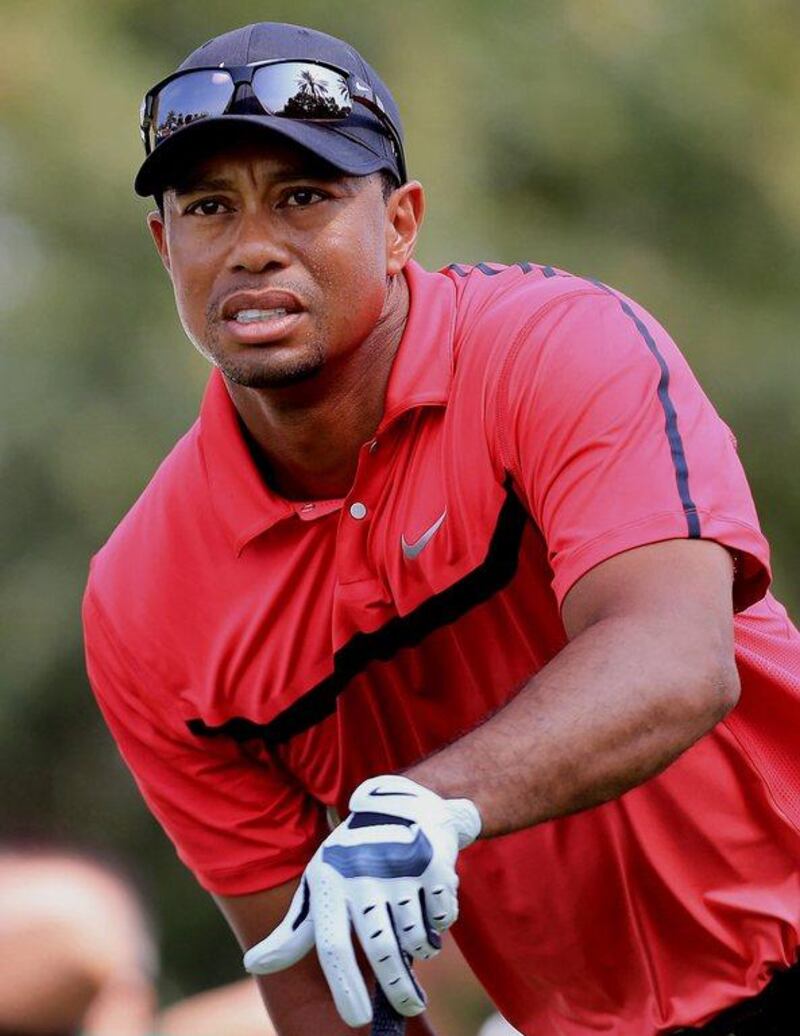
358 145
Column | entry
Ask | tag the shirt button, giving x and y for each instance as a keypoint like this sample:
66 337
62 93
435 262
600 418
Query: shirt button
358 510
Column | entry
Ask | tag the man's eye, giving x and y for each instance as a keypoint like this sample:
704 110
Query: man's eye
302 197
206 207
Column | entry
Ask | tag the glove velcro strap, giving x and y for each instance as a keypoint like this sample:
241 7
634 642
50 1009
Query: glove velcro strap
376 820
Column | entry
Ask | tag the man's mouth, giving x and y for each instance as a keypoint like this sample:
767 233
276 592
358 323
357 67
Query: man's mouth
253 316
247 307
262 317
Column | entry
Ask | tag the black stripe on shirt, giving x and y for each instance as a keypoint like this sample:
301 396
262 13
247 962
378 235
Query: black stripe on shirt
482 583
677 452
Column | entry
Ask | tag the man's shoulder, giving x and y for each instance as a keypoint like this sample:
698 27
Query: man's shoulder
498 304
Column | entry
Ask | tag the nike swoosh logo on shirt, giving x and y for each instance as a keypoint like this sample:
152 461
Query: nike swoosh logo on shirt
413 550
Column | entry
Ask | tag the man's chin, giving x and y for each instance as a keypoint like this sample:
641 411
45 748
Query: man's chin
260 375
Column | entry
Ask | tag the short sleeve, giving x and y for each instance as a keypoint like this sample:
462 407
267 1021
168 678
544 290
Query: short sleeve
612 443
240 824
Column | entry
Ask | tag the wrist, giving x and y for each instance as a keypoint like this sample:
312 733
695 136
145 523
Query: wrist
468 821
463 812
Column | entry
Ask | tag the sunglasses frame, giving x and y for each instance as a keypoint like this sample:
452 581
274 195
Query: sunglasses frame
243 75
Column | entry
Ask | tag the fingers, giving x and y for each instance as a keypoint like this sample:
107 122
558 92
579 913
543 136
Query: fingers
418 938
392 967
415 934
377 930
335 950
441 905
287 943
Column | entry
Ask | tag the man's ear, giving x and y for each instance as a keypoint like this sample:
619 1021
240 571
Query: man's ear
157 227
404 213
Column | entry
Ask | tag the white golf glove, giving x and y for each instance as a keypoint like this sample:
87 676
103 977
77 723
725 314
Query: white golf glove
389 870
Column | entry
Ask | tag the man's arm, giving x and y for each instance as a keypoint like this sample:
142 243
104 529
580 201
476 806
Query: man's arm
298 1000
649 669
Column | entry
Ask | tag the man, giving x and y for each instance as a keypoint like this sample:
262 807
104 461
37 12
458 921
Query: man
468 554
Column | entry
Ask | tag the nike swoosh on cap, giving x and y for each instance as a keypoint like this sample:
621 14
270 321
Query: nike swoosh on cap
413 550
406 794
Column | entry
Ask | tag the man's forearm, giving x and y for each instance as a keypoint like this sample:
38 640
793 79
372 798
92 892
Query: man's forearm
613 708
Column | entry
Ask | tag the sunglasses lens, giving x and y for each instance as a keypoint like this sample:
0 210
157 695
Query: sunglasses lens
196 95
299 90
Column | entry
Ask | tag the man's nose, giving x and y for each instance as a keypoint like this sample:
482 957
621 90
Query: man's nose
258 245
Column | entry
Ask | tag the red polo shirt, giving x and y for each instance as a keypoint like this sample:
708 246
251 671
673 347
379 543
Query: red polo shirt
256 658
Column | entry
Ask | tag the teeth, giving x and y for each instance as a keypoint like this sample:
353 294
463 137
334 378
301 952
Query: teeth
250 316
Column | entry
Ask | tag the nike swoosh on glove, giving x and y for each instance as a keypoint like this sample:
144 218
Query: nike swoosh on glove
389 870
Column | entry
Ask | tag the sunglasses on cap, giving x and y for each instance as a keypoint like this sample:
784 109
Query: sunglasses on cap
311 91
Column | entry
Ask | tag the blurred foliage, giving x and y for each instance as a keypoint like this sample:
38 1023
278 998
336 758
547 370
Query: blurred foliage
653 145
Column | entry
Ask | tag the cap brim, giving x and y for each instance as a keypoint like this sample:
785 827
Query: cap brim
185 147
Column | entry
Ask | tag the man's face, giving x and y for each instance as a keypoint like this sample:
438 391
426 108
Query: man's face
279 262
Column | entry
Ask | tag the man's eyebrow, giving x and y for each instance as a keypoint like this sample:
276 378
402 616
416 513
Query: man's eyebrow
222 183
203 183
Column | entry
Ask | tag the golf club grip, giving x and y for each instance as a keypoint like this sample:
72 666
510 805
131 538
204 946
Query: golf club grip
385 1020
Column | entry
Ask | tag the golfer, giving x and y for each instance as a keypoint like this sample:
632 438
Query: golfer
465 558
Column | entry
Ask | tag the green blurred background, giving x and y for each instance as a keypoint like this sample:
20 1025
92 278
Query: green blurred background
653 145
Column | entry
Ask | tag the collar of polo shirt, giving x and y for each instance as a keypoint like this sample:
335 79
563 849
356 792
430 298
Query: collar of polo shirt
421 376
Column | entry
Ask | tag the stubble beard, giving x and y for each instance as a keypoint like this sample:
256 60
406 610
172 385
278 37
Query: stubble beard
264 368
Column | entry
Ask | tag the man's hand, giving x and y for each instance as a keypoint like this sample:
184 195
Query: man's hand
389 870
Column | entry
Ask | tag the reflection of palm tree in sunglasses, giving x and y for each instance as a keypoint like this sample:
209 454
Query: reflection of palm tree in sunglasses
312 87
310 101
308 83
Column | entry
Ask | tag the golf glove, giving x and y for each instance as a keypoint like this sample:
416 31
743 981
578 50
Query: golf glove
389 871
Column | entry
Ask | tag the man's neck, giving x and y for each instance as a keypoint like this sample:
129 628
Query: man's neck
306 440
